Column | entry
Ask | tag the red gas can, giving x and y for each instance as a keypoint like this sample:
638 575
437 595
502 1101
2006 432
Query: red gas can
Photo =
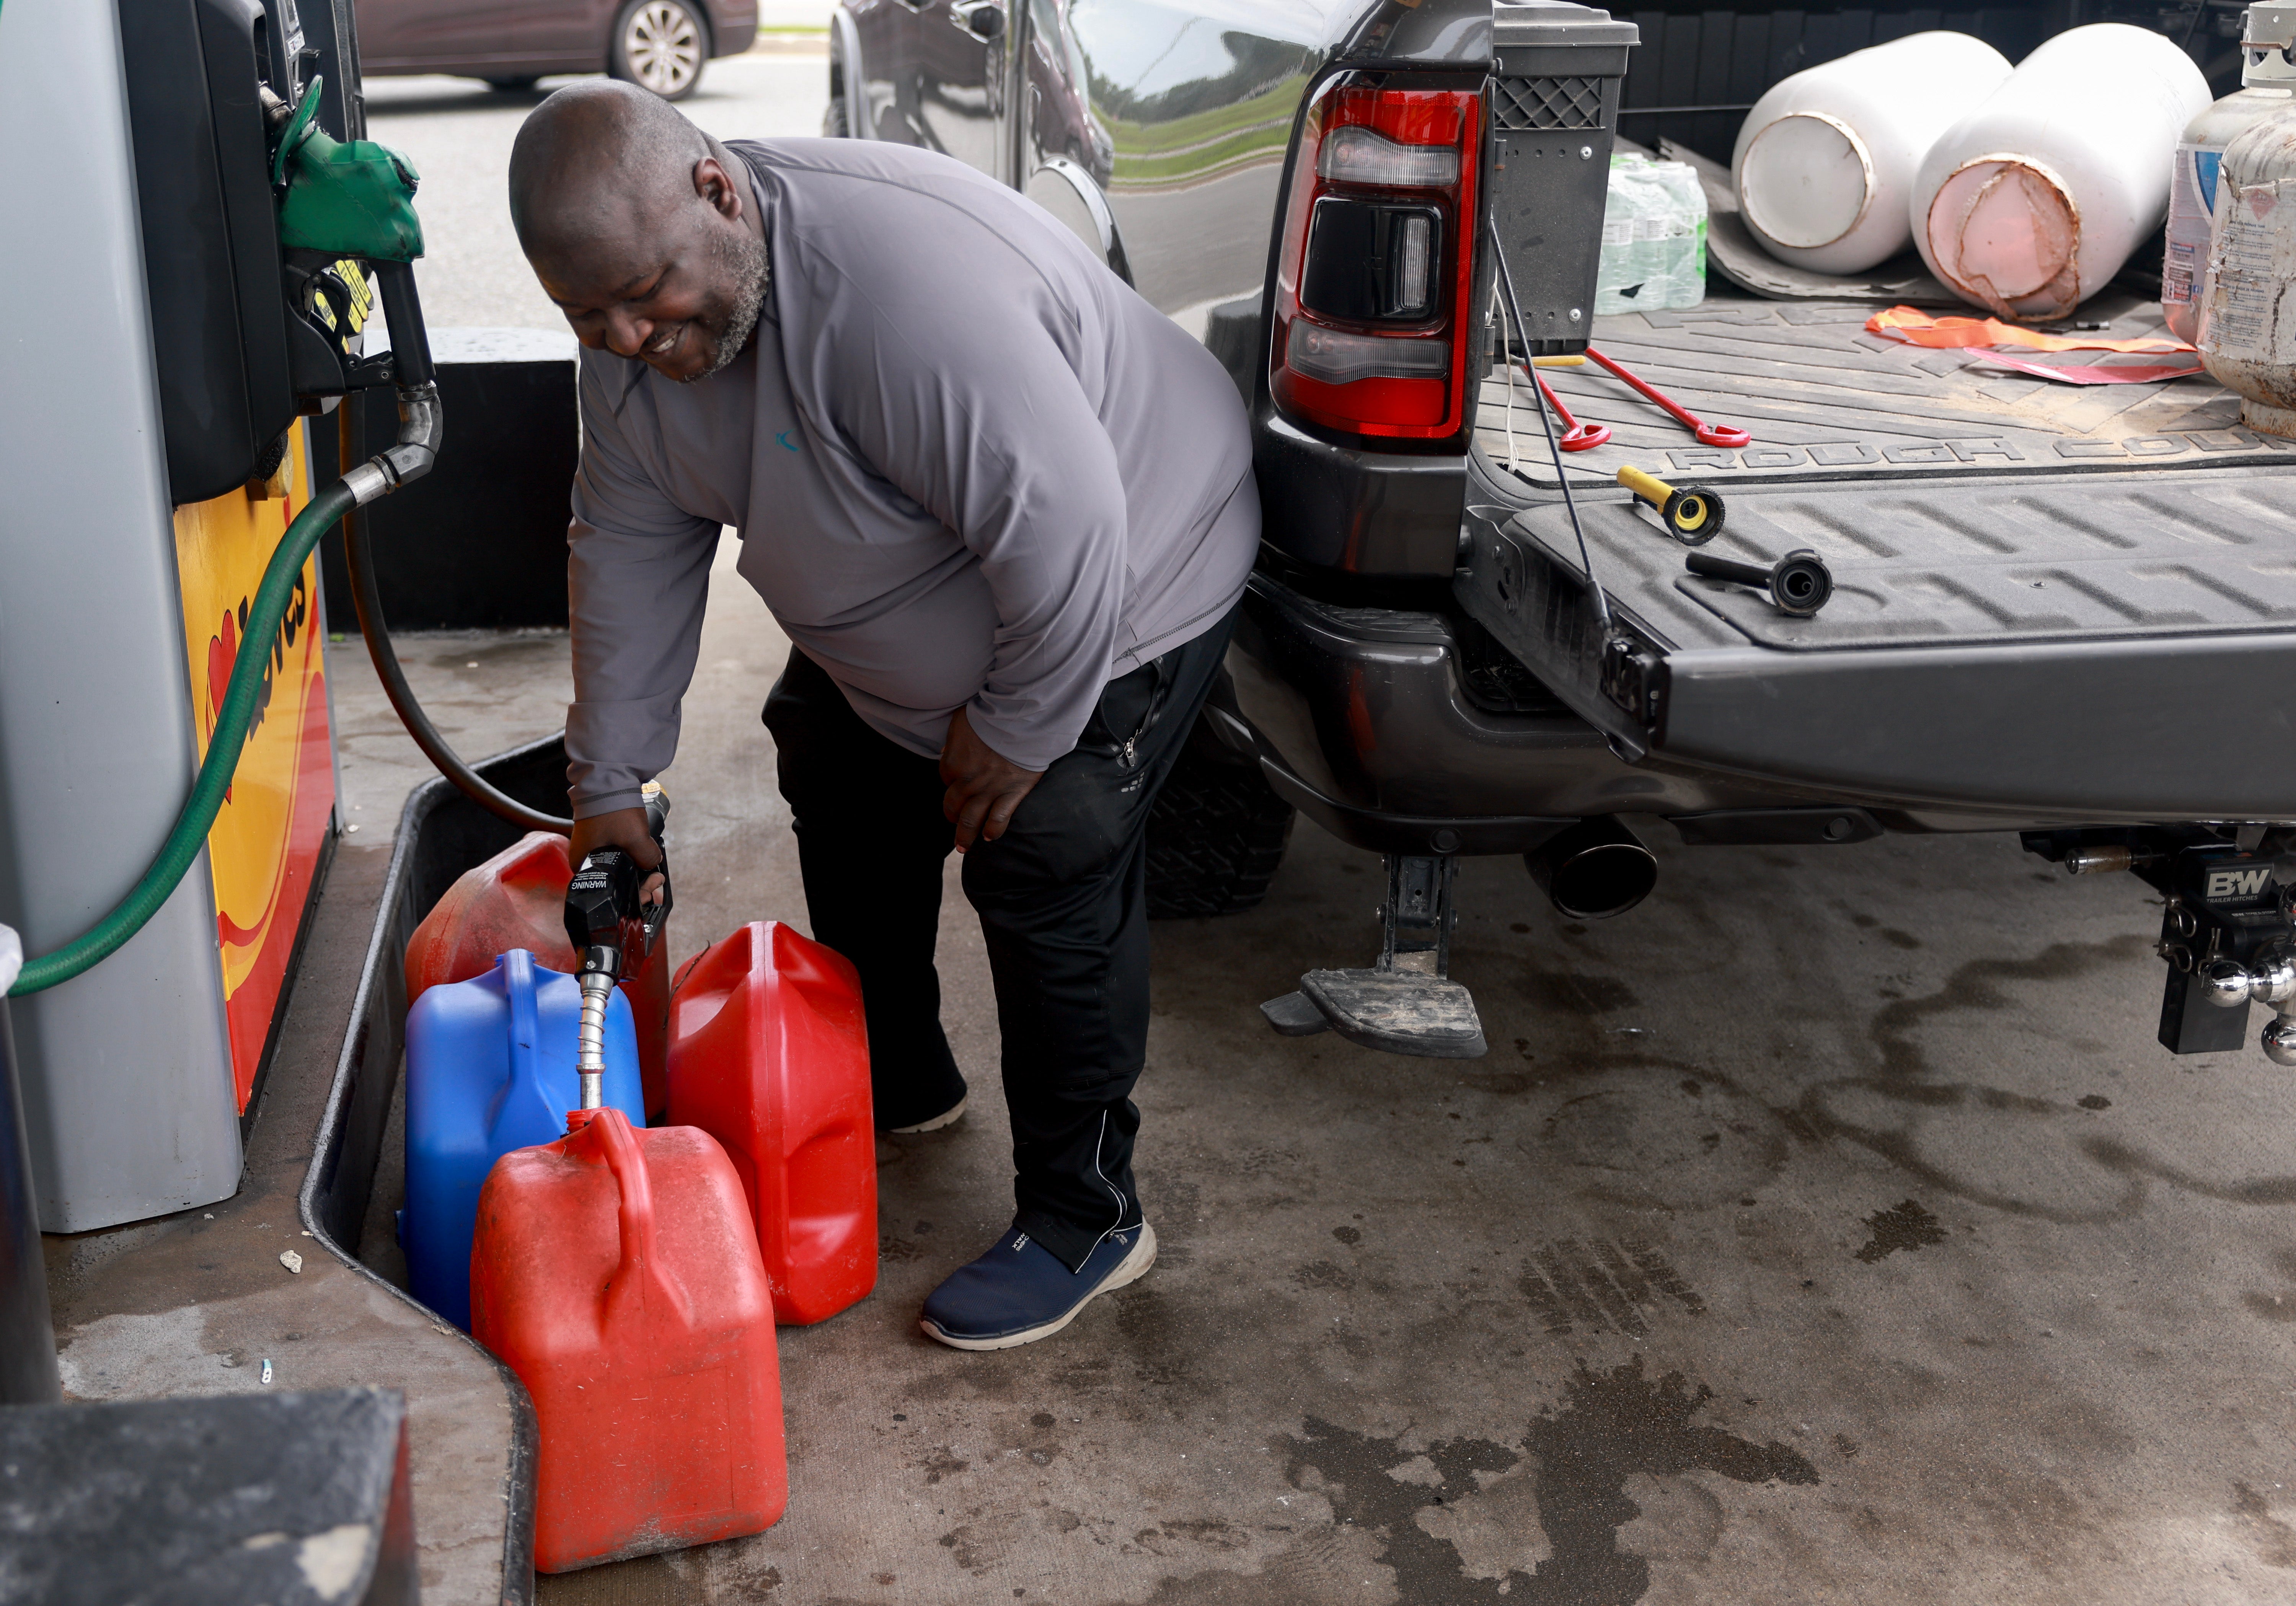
616 1271
517 899
769 1055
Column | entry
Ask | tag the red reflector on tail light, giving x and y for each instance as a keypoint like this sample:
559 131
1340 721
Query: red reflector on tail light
1378 346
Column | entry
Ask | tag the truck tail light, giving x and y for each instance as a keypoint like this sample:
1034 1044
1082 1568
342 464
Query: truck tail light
1374 275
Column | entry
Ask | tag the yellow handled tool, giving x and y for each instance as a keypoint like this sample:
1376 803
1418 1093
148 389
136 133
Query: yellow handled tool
1692 513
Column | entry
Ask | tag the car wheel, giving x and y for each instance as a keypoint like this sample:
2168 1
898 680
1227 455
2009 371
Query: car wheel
660 44
1215 834
834 123
519 85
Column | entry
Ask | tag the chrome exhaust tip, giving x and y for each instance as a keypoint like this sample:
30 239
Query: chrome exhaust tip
1595 868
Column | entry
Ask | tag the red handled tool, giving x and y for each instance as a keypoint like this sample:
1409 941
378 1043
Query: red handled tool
1576 436
1709 435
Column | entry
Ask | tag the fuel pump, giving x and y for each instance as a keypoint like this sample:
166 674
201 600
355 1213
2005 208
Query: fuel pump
345 210
608 919
214 245
334 220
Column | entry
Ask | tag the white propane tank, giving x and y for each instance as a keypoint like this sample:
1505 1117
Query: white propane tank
1825 163
2248 336
2266 76
2036 199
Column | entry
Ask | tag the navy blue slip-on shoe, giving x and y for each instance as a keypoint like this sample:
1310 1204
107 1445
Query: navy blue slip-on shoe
1019 1291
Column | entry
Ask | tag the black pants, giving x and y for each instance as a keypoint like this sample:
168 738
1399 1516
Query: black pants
1062 906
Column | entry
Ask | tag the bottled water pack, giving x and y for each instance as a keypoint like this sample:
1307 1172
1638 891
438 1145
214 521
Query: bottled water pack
1653 238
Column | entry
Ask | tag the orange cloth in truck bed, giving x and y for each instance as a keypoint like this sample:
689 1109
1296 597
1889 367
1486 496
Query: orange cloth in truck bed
1916 328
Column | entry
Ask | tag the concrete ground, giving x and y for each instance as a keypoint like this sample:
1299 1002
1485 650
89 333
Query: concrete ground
1829 1228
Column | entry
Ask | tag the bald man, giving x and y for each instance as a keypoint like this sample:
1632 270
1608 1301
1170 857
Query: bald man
1004 508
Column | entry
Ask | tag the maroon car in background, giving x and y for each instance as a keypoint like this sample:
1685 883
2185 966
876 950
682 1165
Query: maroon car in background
659 44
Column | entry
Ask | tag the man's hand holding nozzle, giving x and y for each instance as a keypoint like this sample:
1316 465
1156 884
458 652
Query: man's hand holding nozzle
622 828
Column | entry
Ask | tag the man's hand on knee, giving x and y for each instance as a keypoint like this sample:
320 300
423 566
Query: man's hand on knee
623 828
984 786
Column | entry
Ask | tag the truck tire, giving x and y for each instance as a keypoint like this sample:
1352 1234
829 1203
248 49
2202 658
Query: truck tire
1215 834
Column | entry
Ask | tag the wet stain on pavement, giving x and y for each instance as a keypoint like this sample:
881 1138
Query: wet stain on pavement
2095 1101
942 1463
2134 1163
1323 1274
2281 1306
1573 993
1652 1146
2273 1540
1905 1227
1602 1286
2272 1308
1611 1426
1978 986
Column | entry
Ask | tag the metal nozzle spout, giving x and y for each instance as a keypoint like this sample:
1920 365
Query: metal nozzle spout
590 1039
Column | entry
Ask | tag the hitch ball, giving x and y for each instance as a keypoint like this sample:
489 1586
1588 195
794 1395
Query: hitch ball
2272 977
2225 983
2280 1040
2229 984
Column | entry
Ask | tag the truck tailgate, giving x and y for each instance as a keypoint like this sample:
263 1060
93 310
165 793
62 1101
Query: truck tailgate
2051 601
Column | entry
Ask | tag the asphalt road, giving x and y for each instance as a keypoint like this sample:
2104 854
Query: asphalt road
1828 1229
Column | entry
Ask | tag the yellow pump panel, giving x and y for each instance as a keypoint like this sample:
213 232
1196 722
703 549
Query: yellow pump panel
265 848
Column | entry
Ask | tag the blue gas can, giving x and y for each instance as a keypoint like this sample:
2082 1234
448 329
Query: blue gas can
490 1068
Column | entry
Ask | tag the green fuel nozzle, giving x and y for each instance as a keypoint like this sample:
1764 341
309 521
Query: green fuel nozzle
348 198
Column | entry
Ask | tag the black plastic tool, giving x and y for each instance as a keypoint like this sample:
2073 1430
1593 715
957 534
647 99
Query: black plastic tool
1800 583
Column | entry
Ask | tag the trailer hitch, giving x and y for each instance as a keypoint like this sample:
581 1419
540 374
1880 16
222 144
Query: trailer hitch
2227 924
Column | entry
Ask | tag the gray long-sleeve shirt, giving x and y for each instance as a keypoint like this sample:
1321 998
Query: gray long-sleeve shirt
971 468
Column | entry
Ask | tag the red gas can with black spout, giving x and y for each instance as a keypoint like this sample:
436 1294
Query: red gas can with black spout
517 899
616 1272
769 1054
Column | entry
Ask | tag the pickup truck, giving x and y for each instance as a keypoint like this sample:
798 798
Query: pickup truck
2068 612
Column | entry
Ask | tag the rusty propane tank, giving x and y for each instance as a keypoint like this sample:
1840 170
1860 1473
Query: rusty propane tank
2267 74
2248 333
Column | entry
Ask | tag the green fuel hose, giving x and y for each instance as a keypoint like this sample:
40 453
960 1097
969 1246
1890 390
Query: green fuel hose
342 199
408 459
190 834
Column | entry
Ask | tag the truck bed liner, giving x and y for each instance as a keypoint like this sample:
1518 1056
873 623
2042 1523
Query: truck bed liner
2087 611
1826 401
